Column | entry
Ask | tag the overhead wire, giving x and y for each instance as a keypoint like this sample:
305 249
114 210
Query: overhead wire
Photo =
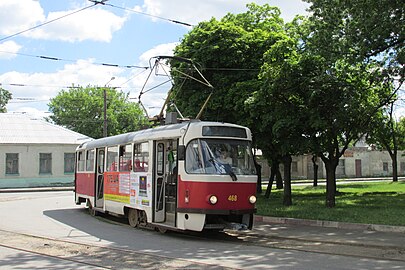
72 61
150 15
38 85
50 21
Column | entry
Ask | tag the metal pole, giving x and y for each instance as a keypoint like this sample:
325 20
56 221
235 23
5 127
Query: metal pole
105 113
105 107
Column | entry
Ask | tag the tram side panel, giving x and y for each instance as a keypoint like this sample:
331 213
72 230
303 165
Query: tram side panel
128 189
84 186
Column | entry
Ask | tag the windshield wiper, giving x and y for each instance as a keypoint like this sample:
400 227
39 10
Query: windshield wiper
233 175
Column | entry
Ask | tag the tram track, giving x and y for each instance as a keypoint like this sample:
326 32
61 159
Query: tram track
101 256
358 250
253 238
108 257
52 256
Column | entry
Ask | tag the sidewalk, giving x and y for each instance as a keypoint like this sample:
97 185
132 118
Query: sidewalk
348 241
330 224
35 189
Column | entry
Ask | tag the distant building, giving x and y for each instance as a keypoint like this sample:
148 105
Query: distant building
36 153
357 162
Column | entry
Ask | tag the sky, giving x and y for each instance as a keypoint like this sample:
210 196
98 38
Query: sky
91 44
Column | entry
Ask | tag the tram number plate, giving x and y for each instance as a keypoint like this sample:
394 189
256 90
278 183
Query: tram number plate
233 198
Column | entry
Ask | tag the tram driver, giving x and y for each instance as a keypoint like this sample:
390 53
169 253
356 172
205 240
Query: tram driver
225 158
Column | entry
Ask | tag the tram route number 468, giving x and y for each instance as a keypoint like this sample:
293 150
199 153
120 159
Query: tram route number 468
233 198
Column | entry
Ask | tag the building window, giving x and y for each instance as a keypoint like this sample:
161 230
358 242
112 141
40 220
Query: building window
385 166
402 167
294 166
45 163
69 166
11 163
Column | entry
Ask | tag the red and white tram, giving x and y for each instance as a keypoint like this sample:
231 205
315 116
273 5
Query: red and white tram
188 176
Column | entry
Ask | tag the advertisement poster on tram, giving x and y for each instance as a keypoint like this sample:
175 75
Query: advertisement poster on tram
131 188
140 189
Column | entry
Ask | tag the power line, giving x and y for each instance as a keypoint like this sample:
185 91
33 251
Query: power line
150 15
72 61
53 20
52 86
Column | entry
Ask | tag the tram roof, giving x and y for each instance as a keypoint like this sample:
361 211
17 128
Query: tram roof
161 132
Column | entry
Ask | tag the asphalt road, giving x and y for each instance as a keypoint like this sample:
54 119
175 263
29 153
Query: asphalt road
54 215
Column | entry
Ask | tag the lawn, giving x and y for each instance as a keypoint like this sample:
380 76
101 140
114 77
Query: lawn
370 203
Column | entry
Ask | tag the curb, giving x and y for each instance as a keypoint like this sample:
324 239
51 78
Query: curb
330 224
36 189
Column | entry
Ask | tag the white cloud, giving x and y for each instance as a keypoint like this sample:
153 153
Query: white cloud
159 50
91 24
154 99
19 15
40 87
197 11
8 49
94 24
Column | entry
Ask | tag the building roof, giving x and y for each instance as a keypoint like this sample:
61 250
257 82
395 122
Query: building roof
17 128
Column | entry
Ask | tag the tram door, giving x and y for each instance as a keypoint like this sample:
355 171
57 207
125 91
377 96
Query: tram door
165 193
99 200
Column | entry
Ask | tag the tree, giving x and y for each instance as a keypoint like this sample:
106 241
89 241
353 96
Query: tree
230 52
389 134
5 96
317 103
277 106
361 48
81 110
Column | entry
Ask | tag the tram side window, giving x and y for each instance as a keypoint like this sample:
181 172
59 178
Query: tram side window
125 158
141 157
80 161
90 160
112 159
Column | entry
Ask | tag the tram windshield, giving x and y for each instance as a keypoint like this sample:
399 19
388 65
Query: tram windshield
216 156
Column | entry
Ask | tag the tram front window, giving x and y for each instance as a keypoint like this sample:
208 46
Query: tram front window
215 156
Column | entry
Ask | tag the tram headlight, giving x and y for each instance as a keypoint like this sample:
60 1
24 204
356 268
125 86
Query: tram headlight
252 199
213 199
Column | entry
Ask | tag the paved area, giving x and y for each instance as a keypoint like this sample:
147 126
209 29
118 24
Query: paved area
375 239
347 236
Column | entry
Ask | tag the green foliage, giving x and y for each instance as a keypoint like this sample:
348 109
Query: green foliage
81 110
230 52
361 31
387 133
365 28
5 96
318 97
320 83
369 203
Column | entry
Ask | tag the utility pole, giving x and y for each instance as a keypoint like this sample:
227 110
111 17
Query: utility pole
105 107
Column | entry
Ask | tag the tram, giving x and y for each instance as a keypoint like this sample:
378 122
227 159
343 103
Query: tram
192 175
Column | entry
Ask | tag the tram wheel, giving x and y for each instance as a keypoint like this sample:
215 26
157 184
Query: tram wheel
91 210
133 218
162 230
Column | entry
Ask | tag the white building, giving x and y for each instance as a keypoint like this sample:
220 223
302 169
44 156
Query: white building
358 162
36 153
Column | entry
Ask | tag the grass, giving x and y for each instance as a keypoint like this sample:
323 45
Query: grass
370 203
